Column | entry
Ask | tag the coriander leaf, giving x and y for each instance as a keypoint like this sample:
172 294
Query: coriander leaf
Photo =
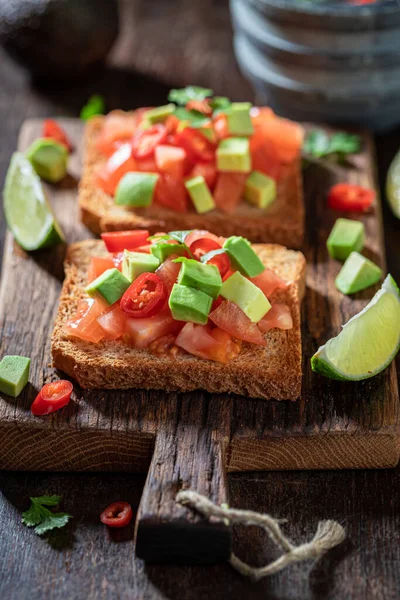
195 118
316 143
219 104
192 92
344 143
94 106
319 144
206 257
40 517
180 235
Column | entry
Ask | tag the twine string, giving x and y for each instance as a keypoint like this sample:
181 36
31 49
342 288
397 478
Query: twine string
328 535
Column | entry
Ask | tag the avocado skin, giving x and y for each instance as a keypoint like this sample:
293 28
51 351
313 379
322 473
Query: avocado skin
58 38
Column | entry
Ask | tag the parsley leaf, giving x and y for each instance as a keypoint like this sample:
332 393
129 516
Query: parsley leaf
180 235
192 92
94 106
319 144
43 519
220 104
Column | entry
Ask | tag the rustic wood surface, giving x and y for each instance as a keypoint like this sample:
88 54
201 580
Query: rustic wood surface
86 563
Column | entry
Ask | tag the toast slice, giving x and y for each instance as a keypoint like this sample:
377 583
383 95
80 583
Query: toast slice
281 223
271 372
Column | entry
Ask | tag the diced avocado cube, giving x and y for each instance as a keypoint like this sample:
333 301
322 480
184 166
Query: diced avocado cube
136 263
259 189
357 274
111 285
163 250
347 236
49 159
243 257
239 120
159 114
189 304
14 374
204 277
233 154
200 194
136 189
208 133
246 295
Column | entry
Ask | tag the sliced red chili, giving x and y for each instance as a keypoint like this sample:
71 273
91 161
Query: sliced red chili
350 197
222 262
118 514
144 142
52 397
51 129
198 147
203 245
145 297
118 241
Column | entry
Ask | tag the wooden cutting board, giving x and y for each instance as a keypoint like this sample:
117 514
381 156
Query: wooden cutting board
192 440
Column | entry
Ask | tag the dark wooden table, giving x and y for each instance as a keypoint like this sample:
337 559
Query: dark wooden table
84 561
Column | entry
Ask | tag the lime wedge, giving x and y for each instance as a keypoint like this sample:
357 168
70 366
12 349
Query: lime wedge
367 343
28 212
393 185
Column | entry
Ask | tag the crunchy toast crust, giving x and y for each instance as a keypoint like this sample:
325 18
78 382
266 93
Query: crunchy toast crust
271 372
282 222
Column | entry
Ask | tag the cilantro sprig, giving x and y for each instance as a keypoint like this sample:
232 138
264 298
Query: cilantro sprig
184 95
178 236
95 106
41 517
191 92
318 144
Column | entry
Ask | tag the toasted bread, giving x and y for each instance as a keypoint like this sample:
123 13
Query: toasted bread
281 223
271 372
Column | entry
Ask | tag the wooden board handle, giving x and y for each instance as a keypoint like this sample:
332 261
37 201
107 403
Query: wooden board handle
184 458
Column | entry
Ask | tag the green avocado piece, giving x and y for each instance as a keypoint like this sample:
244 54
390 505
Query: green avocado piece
347 236
239 120
259 189
136 189
200 194
111 285
243 257
163 250
136 263
14 374
195 274
189 304
247 296
233 154
159 114
357 274
49 159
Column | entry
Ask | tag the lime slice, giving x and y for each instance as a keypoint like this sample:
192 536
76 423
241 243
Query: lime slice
28 212
367 343
393 185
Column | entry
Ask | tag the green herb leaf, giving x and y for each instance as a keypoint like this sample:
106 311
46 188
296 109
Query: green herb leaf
219 104
319 144
195 118
94 106
192 92
180 235
206 257
43 519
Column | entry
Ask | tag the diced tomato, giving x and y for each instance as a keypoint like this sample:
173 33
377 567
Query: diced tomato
350 197
118 241
221 126
170 160
147 165
171 193
198 147
52 397
202 106
217 302
266 160
204 342
171 124
113 322
118 514
84 324
200 234
202 246
261 115
277 317
145 297
117 129
51 129
120 162
145 141
97 266
206 170
145 249
228 274
229 191
268 282
229 317
284 136
168 271
141 332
